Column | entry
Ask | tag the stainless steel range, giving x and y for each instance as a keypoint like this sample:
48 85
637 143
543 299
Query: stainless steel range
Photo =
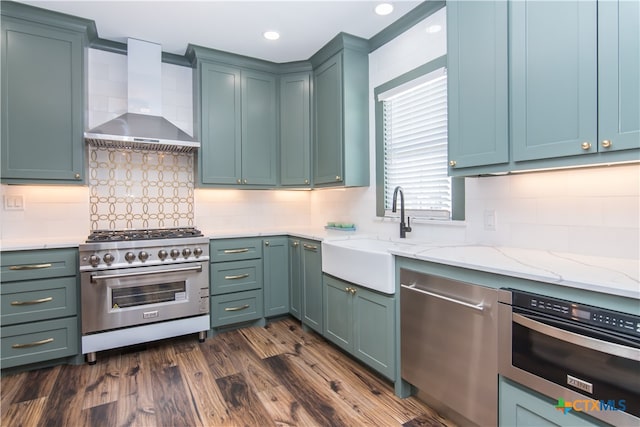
143 285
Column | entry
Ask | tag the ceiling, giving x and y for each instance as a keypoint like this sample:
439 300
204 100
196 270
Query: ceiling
234 26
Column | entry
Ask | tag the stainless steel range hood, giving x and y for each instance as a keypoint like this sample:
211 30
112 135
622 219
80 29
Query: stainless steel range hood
143 125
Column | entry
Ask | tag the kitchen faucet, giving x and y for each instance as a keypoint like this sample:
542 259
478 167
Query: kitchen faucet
403 228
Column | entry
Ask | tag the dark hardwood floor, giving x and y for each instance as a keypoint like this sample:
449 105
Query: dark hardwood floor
273 375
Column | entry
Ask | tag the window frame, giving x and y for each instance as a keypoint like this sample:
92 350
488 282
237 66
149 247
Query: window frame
457 183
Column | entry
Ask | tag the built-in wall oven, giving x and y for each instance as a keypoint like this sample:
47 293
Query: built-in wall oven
587 356
140 286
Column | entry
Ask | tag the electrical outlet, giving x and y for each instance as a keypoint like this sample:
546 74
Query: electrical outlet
14 202
490 220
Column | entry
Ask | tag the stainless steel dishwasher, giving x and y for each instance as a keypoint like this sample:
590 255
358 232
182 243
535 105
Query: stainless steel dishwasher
449 348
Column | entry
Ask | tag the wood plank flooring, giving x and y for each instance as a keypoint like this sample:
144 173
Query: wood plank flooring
276 375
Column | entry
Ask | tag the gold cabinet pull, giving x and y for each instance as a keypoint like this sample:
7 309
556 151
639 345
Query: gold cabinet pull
242 307
236 277
77 176
295 244
452 163
352 291
236 251
338 178
585 146
32 302
266 243
606 143
33 344
30 267
310 247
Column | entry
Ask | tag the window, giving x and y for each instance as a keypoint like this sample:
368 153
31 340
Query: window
411 122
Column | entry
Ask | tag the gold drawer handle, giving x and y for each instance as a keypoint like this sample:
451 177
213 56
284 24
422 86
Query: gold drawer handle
310 247
29 267
236 277
236 251
33 344
32 302
242 307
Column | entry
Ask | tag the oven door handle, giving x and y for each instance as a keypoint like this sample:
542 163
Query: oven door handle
577 339
95 278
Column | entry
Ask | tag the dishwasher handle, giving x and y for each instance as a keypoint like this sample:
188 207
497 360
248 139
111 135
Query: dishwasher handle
478 307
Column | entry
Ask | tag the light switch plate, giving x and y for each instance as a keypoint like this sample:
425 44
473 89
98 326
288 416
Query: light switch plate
490 220
14 202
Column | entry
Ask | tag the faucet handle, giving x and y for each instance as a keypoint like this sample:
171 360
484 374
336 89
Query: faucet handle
408 227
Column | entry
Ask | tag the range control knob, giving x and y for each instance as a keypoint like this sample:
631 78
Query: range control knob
129 256
197 252
94 260
186 252
143 256
108 258
162 254
175 253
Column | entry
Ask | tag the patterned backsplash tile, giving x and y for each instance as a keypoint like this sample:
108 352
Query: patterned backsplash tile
133 189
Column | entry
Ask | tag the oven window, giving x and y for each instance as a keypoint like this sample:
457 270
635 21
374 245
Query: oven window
613 378
148 294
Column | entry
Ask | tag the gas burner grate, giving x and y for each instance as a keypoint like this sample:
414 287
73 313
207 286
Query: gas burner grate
148 234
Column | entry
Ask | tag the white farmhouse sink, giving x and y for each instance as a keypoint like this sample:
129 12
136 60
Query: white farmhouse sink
363 261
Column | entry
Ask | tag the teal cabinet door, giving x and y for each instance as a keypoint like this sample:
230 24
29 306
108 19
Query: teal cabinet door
221 150
522 407
477 83
341 113
295 130
328 156
374 329
276 276
553 78
312 285
295 278
259 128
42 104
618 75
338 313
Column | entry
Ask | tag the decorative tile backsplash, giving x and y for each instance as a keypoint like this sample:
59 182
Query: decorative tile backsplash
133 189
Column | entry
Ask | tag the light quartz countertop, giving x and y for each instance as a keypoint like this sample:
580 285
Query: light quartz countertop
616 276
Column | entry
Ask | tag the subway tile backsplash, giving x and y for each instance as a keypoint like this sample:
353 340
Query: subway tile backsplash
133 189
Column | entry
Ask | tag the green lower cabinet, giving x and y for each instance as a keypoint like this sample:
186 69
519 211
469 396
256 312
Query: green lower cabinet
295 278
237 307
361 322
276 276
522 407
39 341
311 299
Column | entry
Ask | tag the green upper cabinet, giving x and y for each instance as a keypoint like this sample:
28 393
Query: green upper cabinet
259 128
618 75
295 129
221 151
238 127
477 86
42 97
553 76
341 113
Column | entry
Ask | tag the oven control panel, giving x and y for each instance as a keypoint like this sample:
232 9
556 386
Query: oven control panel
582 313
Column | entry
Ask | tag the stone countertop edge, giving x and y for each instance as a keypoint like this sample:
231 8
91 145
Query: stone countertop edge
615 276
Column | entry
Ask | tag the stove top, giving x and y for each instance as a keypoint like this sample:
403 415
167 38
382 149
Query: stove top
145 234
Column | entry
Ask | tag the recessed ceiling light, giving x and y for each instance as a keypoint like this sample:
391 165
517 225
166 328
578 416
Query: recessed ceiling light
434 28
384 9
271 35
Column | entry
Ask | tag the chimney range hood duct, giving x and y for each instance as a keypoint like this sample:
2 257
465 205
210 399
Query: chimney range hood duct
142 126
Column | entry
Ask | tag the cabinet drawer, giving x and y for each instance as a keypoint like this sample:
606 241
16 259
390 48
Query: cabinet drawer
236 276
39 264
33 300
235 249
235 308
39 341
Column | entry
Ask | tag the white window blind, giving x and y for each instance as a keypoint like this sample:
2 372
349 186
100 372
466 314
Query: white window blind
415 146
